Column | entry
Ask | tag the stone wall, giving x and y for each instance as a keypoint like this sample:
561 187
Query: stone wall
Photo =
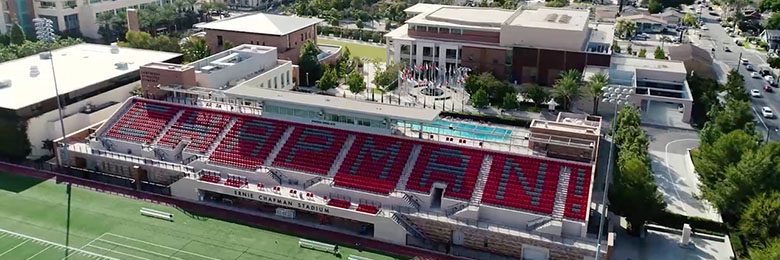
494 242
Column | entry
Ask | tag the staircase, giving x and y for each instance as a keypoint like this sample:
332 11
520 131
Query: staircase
400 220
536 223
275 175
221 136
412 200
563 189
168 127
484 171
455 208
342 154
308 183
279 145
408 168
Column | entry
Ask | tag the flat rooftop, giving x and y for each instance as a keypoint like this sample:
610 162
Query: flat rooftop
261 23
621 62
337 103
464 17
77 67
552 18
422 8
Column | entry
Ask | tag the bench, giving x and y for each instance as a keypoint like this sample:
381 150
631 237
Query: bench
311 244
355 257
157 214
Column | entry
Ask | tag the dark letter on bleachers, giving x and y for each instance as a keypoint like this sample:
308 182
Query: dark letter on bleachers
452 162
370 154
325 138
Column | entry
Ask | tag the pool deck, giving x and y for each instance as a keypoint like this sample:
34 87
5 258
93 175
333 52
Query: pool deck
517 136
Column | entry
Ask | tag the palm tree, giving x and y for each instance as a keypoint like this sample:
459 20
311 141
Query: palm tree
595 84
104 20
567 88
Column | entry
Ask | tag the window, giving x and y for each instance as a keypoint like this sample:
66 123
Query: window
269 83
433 29
288 78
70 4
72 22
219 40
444 30
48 5
276 82
456 31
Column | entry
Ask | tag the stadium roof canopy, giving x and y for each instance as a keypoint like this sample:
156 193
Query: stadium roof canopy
27 81
337 103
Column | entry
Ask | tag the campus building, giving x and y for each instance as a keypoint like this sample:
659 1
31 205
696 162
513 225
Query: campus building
93 81
74 17
529 44
245 66
396 174
286 33
16 11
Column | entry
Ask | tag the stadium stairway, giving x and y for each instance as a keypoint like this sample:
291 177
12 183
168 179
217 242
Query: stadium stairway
560 196
279 145
408 168
484 171
221 136
410 228
168 126
342 154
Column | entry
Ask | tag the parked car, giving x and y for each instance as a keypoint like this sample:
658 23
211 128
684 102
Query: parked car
769 79
749 67
755 75
767 112
718 19
744 61
726 49
765 72
767 88
704 28
755 93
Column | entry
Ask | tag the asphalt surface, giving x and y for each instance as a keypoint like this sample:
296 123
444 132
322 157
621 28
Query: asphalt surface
716 37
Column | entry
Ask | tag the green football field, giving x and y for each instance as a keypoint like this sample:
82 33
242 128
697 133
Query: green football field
359 50
33 225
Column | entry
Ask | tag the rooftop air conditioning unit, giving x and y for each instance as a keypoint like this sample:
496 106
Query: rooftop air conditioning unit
34 71
121 65
114 48
45 55
5 83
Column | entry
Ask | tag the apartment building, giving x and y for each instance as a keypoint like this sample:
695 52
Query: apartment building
286 33
5 17
523 45
16 11
72 16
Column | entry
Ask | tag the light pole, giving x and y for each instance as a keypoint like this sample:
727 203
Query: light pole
617 95
307 79
44 29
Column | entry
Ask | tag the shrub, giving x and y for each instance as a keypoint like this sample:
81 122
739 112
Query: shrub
676 221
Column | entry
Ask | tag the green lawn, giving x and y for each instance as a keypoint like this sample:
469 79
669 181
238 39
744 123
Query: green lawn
104 226
359 50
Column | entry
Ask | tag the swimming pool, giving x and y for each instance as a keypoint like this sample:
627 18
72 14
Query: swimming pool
464 130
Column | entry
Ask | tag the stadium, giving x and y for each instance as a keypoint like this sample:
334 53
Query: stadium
396 174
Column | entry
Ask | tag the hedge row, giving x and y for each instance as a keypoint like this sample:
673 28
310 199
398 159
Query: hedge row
375 36
676 221
513 121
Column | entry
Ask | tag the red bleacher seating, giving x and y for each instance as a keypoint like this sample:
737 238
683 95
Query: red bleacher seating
311 149
200 125
456 166
577 203
374 163
522 183
367 208
248 142
210 178
142 122
235 183
339 203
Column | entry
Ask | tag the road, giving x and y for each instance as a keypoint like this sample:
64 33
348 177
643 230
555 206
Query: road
716 37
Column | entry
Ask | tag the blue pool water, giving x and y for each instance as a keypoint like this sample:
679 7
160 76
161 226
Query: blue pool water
486 133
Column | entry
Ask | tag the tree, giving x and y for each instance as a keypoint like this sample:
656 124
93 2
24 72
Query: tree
195 49
359 24
733 115
309 64
567 88
328 80
735 87
615 47
13 136
479 99
659 53
510 101
356 83
705 95
655 7
761 218
715 158
642 53
595 84
17 35
773 22
771 251
537 94
688 19
227 45
629 49
387 79
625 28
769 5
634 194
773 62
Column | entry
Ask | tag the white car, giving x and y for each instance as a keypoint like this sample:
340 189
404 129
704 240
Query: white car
704 28
755 75
744 61
767 112
769 79
755 93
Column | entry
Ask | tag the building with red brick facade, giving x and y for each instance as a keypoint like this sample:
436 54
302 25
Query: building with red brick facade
524 45
286 33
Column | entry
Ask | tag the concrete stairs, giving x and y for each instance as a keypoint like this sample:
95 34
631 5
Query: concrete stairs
221 136
408 167
563 189
484 171
340 158
279 145
168 126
